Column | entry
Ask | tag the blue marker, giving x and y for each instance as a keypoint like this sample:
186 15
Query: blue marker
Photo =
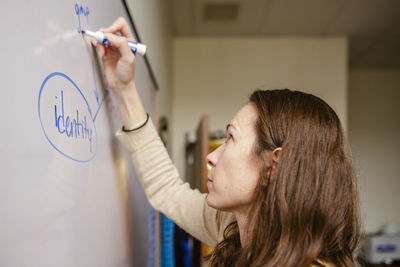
100 37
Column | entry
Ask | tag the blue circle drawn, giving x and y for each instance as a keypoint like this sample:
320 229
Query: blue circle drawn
90 113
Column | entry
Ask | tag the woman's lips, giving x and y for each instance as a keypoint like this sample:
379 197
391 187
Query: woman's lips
209 179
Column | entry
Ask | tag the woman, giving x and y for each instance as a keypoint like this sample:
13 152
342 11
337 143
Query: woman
281 189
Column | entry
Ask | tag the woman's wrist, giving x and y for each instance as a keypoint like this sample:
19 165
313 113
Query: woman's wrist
130 107
137 128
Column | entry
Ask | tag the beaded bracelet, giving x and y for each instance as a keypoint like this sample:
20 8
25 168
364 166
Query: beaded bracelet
137 128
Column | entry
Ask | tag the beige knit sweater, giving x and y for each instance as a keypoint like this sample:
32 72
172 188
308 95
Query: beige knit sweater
167 193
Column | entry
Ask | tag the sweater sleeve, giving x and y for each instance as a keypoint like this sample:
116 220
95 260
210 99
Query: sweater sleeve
167 193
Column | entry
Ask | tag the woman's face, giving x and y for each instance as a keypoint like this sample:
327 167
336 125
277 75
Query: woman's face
234 169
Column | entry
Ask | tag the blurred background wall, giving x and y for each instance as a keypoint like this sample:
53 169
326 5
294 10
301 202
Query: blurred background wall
374 136
209 55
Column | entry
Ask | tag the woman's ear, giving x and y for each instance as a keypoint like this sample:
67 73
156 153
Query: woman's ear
275 156
272 159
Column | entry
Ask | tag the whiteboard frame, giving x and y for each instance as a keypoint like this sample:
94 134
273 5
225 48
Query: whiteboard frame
153 78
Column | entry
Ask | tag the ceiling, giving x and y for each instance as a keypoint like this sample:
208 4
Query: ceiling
373 26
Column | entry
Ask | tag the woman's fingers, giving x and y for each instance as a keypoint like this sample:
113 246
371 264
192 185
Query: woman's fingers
118 59
100 50
120 25
120 43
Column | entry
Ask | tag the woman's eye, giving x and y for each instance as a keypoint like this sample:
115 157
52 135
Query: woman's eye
229 138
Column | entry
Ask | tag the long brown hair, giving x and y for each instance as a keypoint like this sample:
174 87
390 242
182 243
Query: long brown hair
308 211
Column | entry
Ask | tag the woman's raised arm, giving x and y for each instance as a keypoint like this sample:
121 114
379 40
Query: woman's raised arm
119 67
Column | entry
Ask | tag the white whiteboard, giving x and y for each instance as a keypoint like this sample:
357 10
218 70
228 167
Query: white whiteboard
61 202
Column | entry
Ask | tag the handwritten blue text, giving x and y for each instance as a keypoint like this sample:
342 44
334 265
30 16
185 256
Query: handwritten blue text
71 126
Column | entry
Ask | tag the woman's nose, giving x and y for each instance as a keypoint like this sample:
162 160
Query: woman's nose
212 158
210 162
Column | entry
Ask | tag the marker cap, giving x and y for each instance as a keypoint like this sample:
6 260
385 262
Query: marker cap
141 49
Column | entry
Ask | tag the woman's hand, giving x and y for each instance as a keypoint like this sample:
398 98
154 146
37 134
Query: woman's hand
119 68
118 59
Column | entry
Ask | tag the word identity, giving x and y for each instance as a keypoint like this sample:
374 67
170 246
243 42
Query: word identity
66 118
71 125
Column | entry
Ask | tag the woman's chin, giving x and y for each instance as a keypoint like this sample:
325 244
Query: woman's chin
210 201
213 203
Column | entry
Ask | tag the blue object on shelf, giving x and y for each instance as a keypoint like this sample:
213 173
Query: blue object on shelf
167 244
152 238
